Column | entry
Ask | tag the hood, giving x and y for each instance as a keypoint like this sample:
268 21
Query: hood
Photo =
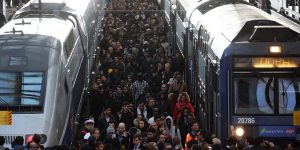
169 117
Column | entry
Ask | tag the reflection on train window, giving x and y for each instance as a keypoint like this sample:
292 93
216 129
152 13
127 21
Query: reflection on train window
287 89
258 95
22 88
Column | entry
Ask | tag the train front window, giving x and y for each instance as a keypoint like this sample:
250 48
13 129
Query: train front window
265 95
21 88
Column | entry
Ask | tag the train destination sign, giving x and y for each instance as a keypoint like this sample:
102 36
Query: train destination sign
266 62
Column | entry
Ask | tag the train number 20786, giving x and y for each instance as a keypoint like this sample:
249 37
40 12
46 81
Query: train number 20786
246 120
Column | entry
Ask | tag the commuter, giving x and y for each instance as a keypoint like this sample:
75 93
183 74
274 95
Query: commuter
162 141
2 141
171 128
18 144
153 79
178 61
90 144
155 113
88 126
232 142
163 93
98 98
178 84
152 134
117 63
172 100
127 95
196 147
37 139
143 125
288 146
183 102
216 143
167 74
104 118
137 87
194 136
249 143
31 145
115 76
137 145
99 145
125 115
96 133
122 136
260 144
142 110
111 143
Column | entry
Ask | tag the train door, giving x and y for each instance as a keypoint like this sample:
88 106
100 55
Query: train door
213 113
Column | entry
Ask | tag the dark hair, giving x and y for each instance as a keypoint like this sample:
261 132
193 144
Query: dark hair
19 140
196 147
94 130
137 136
36 138
99 143
2 140
152 130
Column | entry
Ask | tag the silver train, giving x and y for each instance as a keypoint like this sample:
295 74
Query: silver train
46 55
241 67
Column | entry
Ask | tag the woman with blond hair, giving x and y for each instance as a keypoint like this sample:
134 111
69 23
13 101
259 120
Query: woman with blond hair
182 102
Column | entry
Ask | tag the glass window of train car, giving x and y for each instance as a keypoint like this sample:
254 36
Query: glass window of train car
69 44
21 88
200 39
203 47
209 5
250 95
258 95
288 89
180 11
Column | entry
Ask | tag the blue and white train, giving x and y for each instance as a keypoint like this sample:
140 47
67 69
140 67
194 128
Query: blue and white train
46 54
242 68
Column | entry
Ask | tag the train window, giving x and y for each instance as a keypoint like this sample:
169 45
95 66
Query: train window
205 43
254 95
202 41
266 95
180 10
288 88
21 88
69 44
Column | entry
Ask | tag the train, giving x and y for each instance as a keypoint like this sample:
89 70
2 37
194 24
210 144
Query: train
47 51
242 67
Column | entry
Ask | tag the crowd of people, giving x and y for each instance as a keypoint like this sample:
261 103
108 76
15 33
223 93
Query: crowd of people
139 100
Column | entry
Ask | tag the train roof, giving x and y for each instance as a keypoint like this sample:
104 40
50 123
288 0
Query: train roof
238 22
52 27
52 6
231 19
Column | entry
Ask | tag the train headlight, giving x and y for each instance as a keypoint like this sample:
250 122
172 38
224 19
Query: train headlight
239 131
275 49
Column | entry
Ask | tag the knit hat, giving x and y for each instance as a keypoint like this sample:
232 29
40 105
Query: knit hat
89 121
110 130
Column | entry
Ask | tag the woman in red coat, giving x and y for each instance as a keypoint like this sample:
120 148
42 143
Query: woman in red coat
182 102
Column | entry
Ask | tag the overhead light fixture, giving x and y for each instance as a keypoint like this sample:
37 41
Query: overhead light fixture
275 49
